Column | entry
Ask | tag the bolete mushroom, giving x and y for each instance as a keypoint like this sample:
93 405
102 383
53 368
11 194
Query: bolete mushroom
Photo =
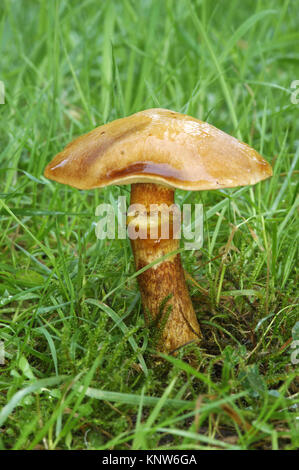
157 151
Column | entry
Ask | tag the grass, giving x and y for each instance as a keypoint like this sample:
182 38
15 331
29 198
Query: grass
79 369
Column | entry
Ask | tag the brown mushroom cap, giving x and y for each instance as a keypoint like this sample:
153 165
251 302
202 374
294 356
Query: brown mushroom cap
158 146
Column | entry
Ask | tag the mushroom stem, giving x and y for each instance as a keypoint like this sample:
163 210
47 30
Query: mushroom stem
164 293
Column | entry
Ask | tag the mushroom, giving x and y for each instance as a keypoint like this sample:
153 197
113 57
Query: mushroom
157 151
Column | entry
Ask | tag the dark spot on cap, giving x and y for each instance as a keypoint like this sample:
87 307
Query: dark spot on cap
109 141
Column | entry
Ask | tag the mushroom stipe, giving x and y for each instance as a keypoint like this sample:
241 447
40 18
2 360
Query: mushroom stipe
157 151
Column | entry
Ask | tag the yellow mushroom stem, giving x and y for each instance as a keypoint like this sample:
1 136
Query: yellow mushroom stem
164 293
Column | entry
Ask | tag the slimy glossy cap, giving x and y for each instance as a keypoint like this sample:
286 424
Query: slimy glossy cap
158 146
